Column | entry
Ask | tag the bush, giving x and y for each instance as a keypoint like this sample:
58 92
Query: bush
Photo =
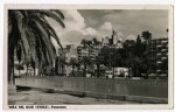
49 71
19 67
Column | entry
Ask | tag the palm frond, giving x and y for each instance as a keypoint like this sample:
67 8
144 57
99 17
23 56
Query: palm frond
22 31
34 31
45 37
59 13
51 31
51 15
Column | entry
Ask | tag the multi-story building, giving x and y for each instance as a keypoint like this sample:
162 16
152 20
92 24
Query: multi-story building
70 52
91 52
158 50
64 58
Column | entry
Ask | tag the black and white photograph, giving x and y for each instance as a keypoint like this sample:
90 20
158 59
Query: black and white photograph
87 56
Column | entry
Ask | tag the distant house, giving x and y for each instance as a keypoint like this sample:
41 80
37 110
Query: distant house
121 71
118 72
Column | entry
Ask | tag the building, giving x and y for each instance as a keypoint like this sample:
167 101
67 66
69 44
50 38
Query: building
159 55
70 52
118 72
91 52
114 42
63 60
105 41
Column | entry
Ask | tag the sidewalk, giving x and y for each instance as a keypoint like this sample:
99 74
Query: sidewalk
33 97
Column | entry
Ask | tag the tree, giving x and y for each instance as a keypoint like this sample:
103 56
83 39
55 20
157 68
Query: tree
146 36
83 42
115 59
56 65
136 56
138 41
33 64
19 53
95 41
27 66
60 63
85 61
73 62
104 52
27 63
35 33
139 47
89 43
98 60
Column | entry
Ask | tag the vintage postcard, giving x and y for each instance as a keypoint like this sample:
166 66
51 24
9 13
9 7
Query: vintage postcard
88 57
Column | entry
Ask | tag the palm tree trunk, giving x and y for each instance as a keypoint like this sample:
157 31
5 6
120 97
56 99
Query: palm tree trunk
11 70
84 70
11 78
27 69
62 68
72 70
19 68
40 70
98 70
56 66
34 70
112 71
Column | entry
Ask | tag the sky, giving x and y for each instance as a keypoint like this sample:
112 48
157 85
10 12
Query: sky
86 24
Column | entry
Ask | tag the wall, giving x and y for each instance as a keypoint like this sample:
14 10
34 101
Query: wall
123 88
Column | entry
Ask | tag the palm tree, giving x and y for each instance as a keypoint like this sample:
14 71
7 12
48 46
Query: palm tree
147 36
96 42
83 42
111 62
27 63
19 54
35 33
98 61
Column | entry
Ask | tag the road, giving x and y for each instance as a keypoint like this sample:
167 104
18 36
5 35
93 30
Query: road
40 98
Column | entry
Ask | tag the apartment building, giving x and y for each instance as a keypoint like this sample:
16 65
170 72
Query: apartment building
158 50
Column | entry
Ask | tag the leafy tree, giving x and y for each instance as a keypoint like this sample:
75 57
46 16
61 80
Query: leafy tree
104 52
138 39
85 61
60 62
73 62
83 42
89 43
95 41
98 60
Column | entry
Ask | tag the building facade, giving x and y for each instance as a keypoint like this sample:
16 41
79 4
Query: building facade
159 56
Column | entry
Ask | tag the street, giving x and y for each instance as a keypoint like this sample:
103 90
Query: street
33 97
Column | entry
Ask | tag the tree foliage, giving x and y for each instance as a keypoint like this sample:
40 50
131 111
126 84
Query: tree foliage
32 28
